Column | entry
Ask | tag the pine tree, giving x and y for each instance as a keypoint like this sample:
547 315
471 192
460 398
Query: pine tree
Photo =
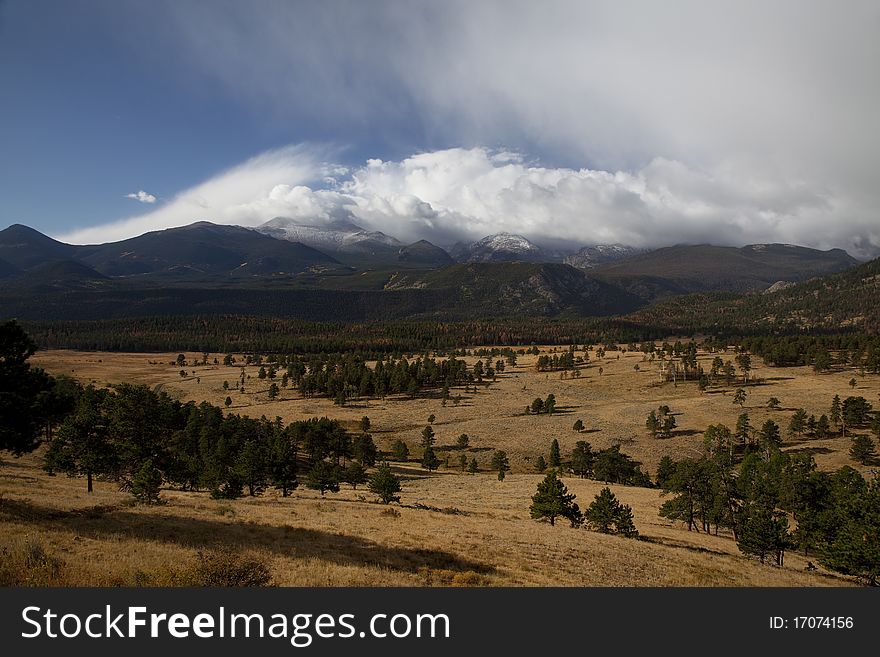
364 449
665 470
282 463
324 476
739 397
540 464
146 483
555 458
428 438
82 445
463 462
862 449
400 451
355 474
473 468
462 441
607 515
798 422
835 413
501 463
652 424
823 428
385 484
582 459
552 500
430 461
578 426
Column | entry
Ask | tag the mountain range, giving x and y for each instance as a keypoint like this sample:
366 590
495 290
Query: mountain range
340 271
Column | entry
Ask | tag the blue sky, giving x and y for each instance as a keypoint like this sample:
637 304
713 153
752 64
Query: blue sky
570 121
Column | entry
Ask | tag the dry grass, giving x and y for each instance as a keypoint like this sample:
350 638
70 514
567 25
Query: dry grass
612 405
452 529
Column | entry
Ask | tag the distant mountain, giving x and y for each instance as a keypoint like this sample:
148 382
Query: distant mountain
23 247
332 238
591 257
203 249
511 288
501 247
58 275
845 301
704 268
424 253
7 270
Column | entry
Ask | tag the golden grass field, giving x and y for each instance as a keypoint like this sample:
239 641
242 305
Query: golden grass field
451 528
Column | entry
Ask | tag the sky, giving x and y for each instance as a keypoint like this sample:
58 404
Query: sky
571 123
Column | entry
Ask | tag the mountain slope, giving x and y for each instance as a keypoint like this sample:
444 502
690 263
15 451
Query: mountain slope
591 257
203 249
510 288
335 237
842 301
704 268
23 247
424 253
501 247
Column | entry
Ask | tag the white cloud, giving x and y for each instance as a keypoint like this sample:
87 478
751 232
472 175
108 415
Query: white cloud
142 196
231 197
459 193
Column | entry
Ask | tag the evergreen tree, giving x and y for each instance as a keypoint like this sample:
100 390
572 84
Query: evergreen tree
251 465
607 515
428 438
665 470
742 431
82 446
773 404
364 449
355 474
739 397
146 483
555 458
473 468
770 437
652 424
385 484
835 413
324 476
500 463
798 423
853 544
24 391
430 461
823 428
462 441
364 424
582 459
578 426
552 500
400 451
282 462
862 449
540 464
462 462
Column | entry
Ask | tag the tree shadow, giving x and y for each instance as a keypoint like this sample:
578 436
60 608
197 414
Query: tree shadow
808 450
198 533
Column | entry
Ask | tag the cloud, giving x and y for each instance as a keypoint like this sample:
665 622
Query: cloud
239 195
696 120
142 196
465 194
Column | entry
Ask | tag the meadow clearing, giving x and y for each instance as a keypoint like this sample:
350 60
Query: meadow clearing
450 528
